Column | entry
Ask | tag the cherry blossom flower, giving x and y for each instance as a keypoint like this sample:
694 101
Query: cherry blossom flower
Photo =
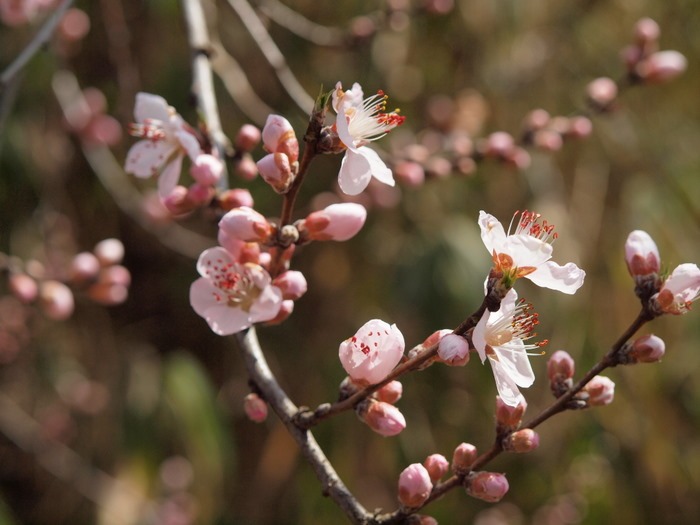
526 252
166 140
679 290
501 337
372 352
361 121
231 296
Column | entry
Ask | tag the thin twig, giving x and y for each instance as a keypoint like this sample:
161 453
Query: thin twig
302 26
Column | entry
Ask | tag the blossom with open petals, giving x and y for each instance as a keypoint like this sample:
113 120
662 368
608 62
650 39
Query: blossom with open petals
679 291
501 337
231 296
166 140
372 352
527 252
360 121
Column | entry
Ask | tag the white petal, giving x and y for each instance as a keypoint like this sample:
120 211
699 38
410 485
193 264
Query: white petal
377 166
508 303
507 389
355 173
222 318
150 106
479 335
566 279
267 305
492 233
516 363
213 258
169 176
343 127
190 144
146 157
527 250
685 280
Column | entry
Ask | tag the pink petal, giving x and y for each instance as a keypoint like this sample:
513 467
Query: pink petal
355 173
566 279
507 389
189 143
169 177
267 305
150 106
146 157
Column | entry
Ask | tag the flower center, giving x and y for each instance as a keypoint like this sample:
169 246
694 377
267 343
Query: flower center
530 224
518 325
149 129
371 121
237 288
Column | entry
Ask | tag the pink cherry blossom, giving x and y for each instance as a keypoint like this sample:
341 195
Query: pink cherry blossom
231 296
278 137
245 224
166 141
361 121
372 352
453 350
501 337
679 290
337 222
526 252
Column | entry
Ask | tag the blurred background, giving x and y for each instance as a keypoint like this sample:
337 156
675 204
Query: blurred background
132 413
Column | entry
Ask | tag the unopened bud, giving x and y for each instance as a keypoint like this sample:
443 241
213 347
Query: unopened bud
437 466
109 251
177 202
276 170
337 222
487 486
391 392
199 194
56 300
255 407
23 287
525 440
535 120
278 137
246 224
292 283
548 140
246 168
414 485
600 390
661 67
579 127
385 419
84 267
207 169
509 417
235 198
646 31
602 92
499 144
560 366
454 350
463 457
647 349
286 309
108 294
247 137
641 254
410 173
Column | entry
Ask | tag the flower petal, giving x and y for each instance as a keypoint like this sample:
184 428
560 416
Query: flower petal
507 389
147 156
527 250
169 176
492 233
479 335
516 362
189 143
213 258
378 168
566 279
355 173
267 305
150 106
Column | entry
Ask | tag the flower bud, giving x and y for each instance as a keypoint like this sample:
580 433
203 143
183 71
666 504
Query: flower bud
580 127
207 169
510 416
647 349
487 486
246 168
410 173
278 137
109 251
292 284
391 392
235 198
372 352
199 194
548 140
678 291
560 366
414 485
276 170
602 92
646 31
23 287
499 144
600 390
108 294
176 201
661 67
337 222
246 224
385 419
535 120
84 267
525 440
463 457
255 408
641 254
286 309
56 300
454 350
247 137
437 466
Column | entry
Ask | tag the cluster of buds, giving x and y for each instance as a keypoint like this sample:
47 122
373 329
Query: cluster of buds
86 117
280 166
645 63
508 421
548 133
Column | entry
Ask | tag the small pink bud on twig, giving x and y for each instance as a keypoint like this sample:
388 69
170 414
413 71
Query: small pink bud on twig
292 283
255 407
647 349
385 419
646 31
414 485
487 486
525 440
207 169
84 267
662 66
337 222
235 198
463 457
507 416
454 350
56 300
246 224
600 390
246 168
602 92
276 170
109 251
410 173
560 366
641 254
23 287
391 392
437 466
247 137
278 137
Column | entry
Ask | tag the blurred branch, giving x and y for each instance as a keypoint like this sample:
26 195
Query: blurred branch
263 378
272 54
39 40
203 78
301 26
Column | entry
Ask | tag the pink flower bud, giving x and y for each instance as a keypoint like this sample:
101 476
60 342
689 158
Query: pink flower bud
235 198
410 173
84 267
510 416
518 158
372 352
463 457
246 224
661 67
535 120
247 137
525 440
437 466
177 202
116 274
487 486
679 290
337 222
286 309
601 391
207 169
109 251
641 254
391 392
560 366
414 485
276 170
385 419
426 520
602 92
454 350
278 137
246 168
647 349
199 194
292 284
646 31
23 287
56 300
579 127
499 144
436 337
548 140
255 408
108 294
